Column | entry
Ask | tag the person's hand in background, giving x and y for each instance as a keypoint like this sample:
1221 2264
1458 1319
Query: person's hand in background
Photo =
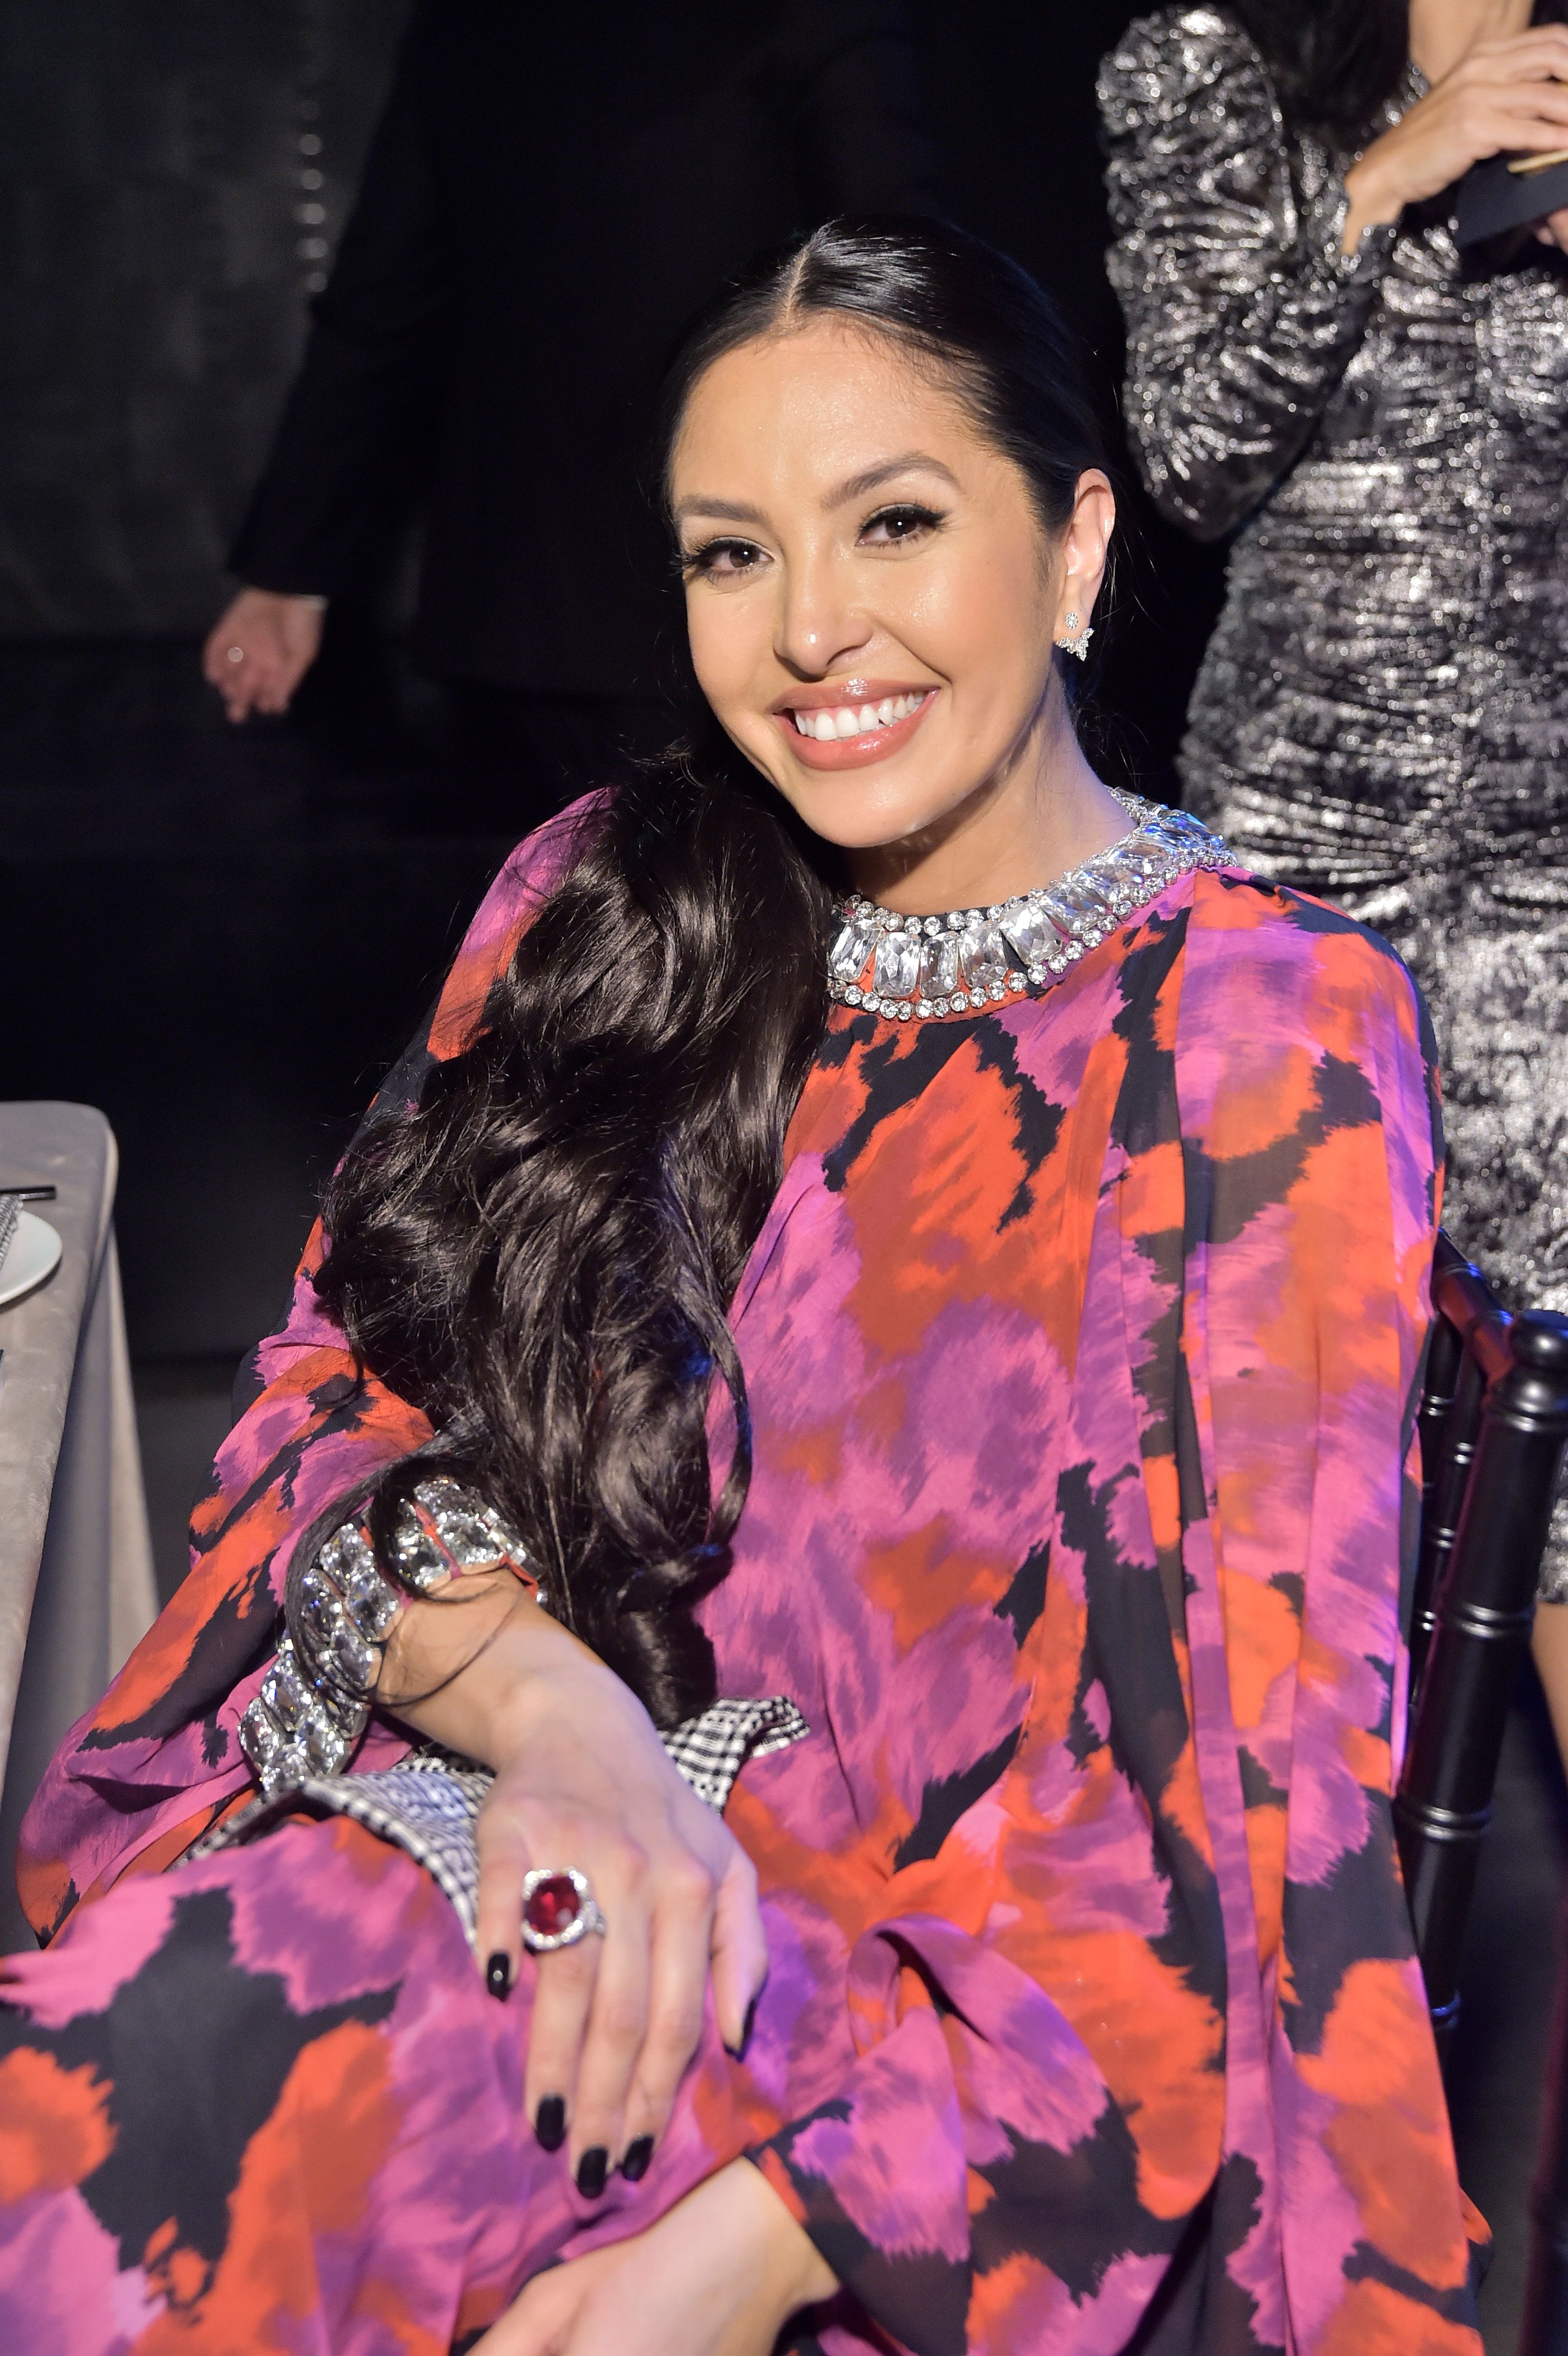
1502 97
262 648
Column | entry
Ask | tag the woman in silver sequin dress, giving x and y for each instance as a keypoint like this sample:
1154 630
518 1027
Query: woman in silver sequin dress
1382 713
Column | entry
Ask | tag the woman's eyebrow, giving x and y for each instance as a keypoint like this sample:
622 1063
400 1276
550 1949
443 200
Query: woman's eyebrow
912 462
856 486
727 510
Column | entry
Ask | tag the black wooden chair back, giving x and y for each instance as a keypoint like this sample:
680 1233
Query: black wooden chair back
1494 1422
1544 2326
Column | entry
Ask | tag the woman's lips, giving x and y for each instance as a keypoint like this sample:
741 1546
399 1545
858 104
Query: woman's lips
908 707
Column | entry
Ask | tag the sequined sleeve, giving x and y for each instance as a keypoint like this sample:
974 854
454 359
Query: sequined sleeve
1243 310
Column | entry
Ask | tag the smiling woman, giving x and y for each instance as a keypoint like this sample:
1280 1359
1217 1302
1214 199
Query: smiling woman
826 1532
899 604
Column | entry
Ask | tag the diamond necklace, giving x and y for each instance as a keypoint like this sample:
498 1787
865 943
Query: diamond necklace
905 966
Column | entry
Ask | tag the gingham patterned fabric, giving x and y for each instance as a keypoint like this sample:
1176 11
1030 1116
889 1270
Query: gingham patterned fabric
429 1803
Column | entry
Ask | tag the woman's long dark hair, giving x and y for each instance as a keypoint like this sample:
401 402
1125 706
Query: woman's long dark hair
543 1254
1335 63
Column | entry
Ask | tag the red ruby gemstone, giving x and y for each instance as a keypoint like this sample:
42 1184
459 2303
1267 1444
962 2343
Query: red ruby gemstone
554 1907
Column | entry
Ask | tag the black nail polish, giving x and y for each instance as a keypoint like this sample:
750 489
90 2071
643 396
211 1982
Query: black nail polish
737 2052
498 1977
550 2122
750 2025
634 2167
592 2171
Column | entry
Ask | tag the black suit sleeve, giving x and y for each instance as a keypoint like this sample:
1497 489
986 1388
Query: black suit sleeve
357 425
858 120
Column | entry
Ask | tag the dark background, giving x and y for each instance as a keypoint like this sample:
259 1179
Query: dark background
221 936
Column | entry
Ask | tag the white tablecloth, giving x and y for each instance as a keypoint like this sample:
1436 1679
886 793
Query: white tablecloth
77 1588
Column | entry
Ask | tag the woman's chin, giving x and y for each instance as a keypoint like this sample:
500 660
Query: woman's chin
865 808
854 820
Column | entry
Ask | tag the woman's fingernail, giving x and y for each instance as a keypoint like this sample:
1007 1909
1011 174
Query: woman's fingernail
497 1976
550 2122
737 2052
592 2171
634 2167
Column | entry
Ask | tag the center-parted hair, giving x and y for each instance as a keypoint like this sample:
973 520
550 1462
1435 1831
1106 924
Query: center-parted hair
542 1255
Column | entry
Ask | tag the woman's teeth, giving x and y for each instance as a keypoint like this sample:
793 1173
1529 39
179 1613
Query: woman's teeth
844 720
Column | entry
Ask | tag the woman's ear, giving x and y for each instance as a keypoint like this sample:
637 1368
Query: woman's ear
1084 547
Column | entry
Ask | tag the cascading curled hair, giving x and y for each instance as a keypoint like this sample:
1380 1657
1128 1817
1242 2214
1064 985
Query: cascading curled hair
541 1255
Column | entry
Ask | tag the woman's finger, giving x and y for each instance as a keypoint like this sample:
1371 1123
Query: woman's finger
1542 95
678 1977
740 1950
540 2319
509 1848
563 2001
618 2025
1543 50
504 1856
535 2324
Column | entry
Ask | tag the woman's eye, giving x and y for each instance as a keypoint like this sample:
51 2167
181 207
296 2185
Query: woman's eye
896 527
722 560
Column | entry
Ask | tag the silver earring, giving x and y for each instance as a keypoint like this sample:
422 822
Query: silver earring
1076 642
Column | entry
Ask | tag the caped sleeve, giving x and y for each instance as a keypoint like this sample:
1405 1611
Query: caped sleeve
1312 1147
1147 2029
1010 2130
1243 310
143 1774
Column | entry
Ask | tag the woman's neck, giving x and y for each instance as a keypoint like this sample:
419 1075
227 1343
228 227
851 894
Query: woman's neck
1444 31
1046 814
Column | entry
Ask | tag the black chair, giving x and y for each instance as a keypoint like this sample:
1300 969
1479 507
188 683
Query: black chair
1493 1423
1543 2328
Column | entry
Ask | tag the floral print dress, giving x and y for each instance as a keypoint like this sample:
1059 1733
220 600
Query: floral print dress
1083 1342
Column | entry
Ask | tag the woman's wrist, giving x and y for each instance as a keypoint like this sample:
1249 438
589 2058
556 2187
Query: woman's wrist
478 1670
768 2246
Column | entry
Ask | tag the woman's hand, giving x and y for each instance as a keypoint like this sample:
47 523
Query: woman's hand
719 2275
261 649
1502 97
582 1780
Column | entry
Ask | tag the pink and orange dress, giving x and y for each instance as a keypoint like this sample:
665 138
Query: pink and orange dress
1083 1343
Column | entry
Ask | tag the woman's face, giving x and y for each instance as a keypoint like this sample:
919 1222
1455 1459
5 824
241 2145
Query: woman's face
871 597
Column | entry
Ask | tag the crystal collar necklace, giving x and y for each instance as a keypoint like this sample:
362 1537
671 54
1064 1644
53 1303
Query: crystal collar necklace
905 966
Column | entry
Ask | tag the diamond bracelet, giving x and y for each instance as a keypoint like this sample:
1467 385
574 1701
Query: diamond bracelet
314 1699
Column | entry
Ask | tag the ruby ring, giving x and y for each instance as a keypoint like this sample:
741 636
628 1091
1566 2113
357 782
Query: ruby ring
558 1909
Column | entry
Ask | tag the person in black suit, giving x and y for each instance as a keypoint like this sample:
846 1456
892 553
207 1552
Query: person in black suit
547 200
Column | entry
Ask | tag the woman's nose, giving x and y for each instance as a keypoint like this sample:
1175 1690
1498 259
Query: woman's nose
817 625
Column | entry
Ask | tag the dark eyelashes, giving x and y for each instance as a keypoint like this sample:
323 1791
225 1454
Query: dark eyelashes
906 511
700 560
